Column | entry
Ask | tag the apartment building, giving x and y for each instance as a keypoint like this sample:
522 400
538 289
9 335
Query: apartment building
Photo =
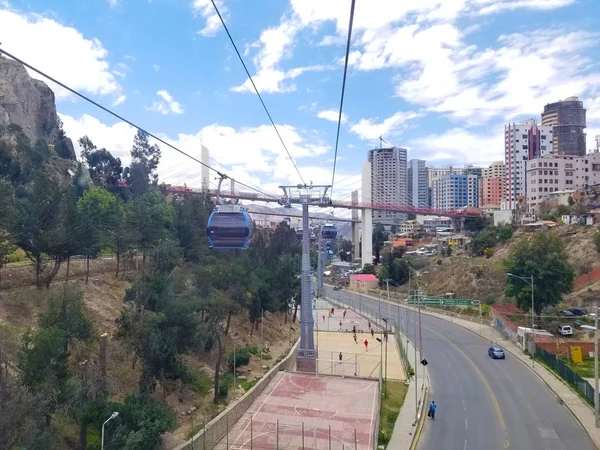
522 142
418 187
388 180
557 173
568 121
492 183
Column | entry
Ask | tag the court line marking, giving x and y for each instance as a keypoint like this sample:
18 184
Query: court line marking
258 409
336 393
371 426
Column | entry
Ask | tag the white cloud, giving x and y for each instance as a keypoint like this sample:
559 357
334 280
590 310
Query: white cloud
369 129
156 67
113 3
117 138
119 100
492 6
81 63
332 115
166 104
205 9
459 146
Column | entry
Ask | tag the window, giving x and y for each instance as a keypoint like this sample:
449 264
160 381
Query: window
524 147
542 147
543 136
545 164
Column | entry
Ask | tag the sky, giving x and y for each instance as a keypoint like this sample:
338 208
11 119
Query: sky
437 77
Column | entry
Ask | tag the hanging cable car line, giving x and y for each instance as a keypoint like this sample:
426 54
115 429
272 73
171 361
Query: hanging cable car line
337 138
256 90
114 114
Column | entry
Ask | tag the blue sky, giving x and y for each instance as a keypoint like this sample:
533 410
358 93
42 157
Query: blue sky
439 77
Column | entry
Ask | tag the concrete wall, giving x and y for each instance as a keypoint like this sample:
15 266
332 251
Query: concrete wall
217 428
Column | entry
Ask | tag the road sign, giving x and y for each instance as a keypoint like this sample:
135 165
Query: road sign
441 302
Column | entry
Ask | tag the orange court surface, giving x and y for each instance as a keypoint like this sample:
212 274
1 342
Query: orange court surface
302 411
357 360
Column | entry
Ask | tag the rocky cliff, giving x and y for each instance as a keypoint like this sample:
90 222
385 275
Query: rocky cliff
30 104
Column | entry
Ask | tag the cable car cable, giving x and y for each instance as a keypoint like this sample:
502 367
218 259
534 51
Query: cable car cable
114 114
337 139
256 89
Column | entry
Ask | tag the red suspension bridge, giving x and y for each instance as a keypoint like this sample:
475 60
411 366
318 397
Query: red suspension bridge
259 197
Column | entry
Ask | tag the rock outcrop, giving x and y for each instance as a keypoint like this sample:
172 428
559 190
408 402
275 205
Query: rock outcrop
30 104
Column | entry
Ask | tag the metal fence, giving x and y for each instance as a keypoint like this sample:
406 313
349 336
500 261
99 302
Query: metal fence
567 374
282 436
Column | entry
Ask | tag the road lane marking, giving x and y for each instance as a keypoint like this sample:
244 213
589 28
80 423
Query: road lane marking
481 376
420 425
466 424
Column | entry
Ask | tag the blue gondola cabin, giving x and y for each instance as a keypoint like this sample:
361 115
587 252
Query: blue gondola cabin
228 227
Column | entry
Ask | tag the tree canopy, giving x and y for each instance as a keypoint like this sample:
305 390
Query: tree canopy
542 256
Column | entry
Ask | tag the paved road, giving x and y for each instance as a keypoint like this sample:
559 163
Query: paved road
483 403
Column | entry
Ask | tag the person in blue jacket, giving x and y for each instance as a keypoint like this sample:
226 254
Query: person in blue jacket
432 407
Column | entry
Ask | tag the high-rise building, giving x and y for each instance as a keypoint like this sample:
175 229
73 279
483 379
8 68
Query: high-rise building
455 191
418 183
522 142
437 173
492 185
567 118
388 180
557 173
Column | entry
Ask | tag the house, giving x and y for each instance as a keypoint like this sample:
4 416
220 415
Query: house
363 282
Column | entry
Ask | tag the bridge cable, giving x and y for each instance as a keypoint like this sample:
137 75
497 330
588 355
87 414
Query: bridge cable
112 113
256 90
337 138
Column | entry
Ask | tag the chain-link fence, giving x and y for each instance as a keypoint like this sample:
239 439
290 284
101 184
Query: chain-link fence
567 374
284 436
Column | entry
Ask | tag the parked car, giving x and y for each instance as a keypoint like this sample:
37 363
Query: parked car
337 288
579 311
496 352
567 313
565 330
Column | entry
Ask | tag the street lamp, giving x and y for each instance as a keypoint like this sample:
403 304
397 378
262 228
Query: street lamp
385 334
112 416
530 281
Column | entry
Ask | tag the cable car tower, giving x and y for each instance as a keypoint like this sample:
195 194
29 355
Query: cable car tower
306 195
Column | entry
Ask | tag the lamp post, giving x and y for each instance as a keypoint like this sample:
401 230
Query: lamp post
112 416
385 334
530 281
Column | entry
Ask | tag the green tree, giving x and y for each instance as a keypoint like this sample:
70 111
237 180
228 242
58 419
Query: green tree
487 238
122 233
379 238
191 218
543 256
105 170
505 232
596 239
38 221
96 215
146 155
153 219
368 269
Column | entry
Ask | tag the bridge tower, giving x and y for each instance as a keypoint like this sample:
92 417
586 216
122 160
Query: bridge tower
367 216
306 195
204 157
355 228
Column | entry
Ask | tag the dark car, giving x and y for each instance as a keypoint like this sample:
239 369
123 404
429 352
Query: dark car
496 352
337 288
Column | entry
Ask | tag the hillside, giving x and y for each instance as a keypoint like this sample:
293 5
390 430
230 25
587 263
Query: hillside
103 297
482 278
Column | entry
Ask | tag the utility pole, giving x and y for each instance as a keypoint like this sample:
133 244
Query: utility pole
306 195
320 266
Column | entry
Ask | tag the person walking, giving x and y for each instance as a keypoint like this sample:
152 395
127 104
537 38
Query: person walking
344 314
366 345
340 325
355 339
432 408
372 332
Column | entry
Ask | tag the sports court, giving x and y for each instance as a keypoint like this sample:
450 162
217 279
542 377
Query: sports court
326 322
328 409
357 360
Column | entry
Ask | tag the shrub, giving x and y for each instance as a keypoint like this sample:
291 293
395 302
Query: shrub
242 358
488 252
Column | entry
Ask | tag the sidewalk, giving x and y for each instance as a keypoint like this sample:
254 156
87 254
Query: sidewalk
578 407
409 424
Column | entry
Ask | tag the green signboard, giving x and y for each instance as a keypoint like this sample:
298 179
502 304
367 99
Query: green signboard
442 302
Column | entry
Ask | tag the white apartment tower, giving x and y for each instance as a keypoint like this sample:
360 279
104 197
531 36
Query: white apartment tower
418 184
523 142
388 180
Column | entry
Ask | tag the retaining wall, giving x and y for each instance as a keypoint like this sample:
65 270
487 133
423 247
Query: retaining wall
216 429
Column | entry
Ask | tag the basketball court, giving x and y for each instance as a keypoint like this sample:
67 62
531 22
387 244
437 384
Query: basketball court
325 322
300 411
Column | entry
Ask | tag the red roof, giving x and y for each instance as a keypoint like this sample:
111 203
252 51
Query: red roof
364 277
